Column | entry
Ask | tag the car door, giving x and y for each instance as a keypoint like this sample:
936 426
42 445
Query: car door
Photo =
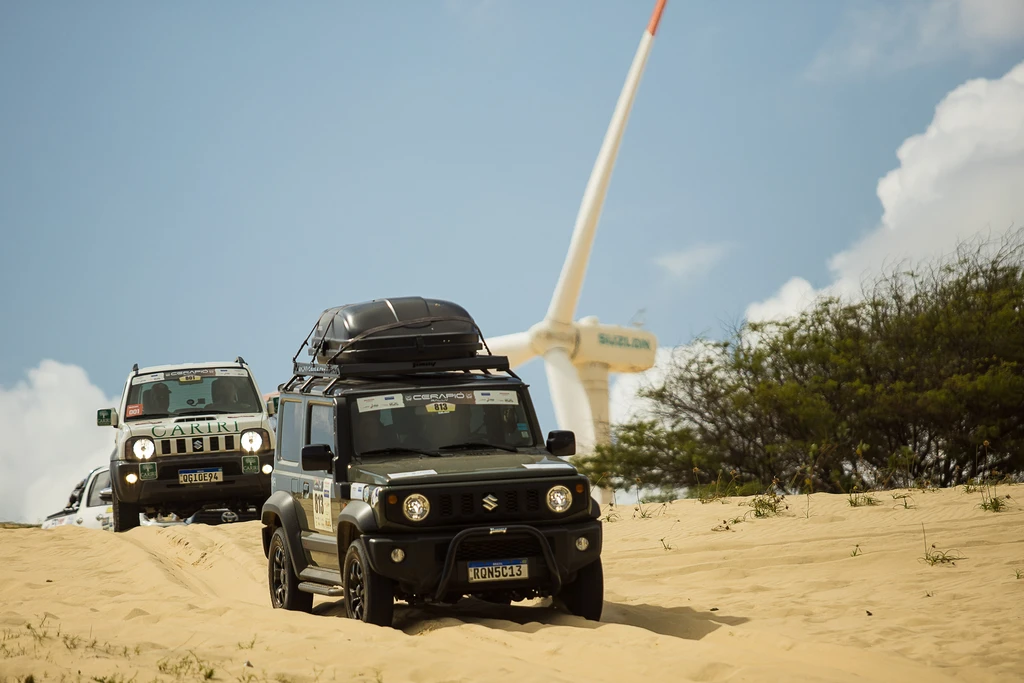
322 506
97 514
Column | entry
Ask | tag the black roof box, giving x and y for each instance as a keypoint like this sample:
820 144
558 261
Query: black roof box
398 329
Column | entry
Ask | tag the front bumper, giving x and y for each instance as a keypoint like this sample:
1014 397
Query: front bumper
162 487
437 564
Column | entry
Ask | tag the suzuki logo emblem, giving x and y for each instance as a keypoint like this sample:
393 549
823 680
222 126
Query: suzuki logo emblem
490 502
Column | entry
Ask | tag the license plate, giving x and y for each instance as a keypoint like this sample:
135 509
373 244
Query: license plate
497 570
203 476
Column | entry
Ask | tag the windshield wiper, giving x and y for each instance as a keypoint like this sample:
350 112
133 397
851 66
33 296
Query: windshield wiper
400 449
478 444
203 411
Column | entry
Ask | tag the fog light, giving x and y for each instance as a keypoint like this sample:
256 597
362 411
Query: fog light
131 477
397 555
268 468
582 543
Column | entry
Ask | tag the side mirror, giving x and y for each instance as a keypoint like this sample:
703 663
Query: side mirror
272 407
561 442
106 417
106 495
317 456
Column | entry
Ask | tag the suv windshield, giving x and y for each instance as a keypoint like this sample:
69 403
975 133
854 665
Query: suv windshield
438 420
191 392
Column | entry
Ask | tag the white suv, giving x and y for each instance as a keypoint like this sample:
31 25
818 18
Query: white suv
189 436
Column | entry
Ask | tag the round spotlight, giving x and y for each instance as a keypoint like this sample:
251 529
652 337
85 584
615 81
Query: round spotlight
582 543
131 477
416 507
559 499
268 468
143 449
397 555
251 441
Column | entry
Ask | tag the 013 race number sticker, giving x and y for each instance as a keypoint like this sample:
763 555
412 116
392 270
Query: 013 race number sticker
322 507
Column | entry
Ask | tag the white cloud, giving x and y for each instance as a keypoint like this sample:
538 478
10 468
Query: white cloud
50 439
900 35
694 261
794 296
962 177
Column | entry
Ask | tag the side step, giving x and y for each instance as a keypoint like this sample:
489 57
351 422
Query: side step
320 589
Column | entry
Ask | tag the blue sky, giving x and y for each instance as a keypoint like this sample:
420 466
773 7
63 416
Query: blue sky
192 181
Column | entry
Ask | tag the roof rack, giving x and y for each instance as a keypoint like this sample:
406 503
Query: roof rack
351 345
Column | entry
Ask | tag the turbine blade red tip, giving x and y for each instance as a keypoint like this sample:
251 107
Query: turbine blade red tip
656 17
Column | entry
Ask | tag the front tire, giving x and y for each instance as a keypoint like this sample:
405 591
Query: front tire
369 597
584 597
126 515
284 584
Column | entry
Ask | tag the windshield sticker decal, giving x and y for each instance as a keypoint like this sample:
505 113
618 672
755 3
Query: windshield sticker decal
133 410
190 378
439 397
231 372
151 377
523 427
440 408
499 397
382 402
417 473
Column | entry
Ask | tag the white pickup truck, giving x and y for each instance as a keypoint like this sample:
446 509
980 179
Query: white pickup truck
86 507
97 510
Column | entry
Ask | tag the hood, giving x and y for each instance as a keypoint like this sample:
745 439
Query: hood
198 425
481 466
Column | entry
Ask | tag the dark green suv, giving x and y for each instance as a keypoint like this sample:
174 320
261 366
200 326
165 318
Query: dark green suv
409 465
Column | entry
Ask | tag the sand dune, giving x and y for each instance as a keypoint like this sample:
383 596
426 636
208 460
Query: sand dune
775 599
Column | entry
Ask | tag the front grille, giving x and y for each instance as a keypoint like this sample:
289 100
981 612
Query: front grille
506 548
196 444
491 503
527 546
232 467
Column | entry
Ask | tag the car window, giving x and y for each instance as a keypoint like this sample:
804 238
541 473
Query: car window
321 424
289 431
101 482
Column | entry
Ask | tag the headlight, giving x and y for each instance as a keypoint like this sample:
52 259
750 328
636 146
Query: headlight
559 498
143 449
251 441
416 507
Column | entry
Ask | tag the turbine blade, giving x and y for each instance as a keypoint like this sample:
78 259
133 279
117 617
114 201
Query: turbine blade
572 407
516 346
570 280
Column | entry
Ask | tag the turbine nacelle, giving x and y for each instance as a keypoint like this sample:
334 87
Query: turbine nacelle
586 341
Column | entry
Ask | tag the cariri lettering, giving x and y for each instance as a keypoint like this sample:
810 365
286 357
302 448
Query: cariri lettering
623 340
160 431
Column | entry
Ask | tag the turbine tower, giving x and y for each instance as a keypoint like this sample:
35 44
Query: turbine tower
579 354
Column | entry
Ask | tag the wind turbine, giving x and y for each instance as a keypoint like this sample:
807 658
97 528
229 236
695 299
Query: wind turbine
579 354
